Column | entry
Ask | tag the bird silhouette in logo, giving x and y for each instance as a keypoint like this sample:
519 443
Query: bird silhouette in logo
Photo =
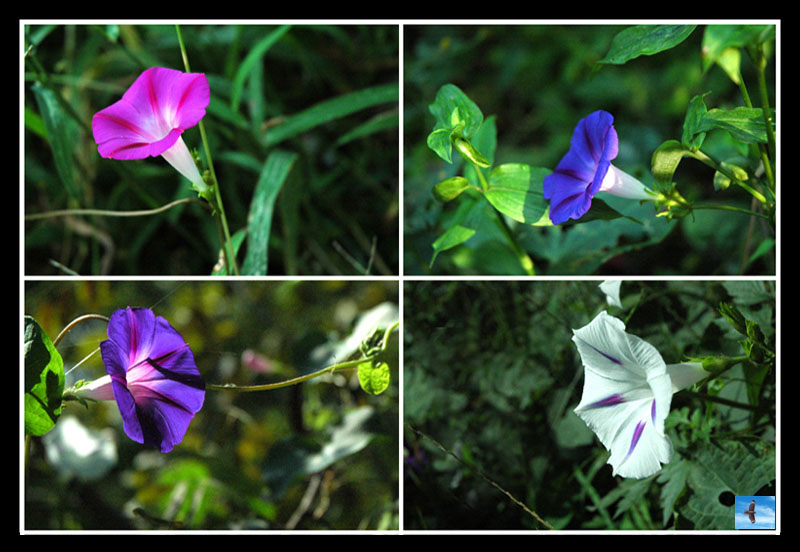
751 511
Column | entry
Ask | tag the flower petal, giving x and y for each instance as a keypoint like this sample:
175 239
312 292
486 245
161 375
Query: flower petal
152 114
626 396
580 173
154 377
685 374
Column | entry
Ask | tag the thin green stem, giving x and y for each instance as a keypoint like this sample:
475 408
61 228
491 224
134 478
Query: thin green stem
227 245
285 383
731 208
306 377
705 158
105 213
757 57
720 400
762 90
522 255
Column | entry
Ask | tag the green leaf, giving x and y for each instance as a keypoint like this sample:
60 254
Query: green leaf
249 62
59 136
439 142
645 40
453 109
383 121
259 220
330 110
374 377
515 189
692 138
44 380
455 235
461 228
719 39
665 160
743 123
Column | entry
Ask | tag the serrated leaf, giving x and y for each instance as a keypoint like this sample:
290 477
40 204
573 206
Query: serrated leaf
715 469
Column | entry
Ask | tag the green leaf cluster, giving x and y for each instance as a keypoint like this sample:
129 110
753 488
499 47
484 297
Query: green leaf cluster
513 190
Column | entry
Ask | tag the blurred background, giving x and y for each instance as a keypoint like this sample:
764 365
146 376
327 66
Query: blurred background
337 212
538 81
491 377
319 455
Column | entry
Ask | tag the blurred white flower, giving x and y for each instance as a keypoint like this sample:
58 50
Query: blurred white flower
77 451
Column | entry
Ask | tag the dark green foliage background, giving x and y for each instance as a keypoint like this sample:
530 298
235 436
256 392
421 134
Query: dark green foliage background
492 375
538 81
339 198
240 463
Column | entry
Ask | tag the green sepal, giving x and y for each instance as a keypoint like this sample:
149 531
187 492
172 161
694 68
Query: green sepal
470 152
450 188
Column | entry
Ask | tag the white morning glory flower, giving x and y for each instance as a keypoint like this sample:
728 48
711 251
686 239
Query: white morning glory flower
611 289
627 393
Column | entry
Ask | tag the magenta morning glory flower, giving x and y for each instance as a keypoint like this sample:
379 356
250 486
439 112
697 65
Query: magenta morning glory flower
152 375
151 116
586 169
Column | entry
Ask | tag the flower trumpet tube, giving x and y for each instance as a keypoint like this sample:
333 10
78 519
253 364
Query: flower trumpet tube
152 375
150 118
627 393
586 169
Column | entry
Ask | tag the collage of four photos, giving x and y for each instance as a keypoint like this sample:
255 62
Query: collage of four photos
399 277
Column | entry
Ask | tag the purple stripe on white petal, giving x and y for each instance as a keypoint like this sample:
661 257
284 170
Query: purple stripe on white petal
653 411
611 400
609 357
637 433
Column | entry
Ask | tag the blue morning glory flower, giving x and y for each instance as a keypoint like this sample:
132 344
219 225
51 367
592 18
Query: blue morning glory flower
586 169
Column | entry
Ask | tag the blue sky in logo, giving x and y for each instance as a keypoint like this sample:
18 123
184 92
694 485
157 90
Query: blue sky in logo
765 512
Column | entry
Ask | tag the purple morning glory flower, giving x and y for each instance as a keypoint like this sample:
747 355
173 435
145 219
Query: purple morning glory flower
152 375
151 116
586 169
